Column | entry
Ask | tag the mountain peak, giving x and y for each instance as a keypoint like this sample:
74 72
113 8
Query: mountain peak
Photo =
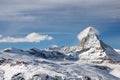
93 48
88 31
89 38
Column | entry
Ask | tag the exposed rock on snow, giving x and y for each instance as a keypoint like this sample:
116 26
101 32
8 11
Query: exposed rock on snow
18 76
46 54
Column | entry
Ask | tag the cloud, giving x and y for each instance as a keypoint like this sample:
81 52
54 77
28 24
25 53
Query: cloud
55 14
0 35
32 37
54 46
27 10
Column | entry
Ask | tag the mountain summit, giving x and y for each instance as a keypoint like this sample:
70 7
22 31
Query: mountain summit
88 38
88 31
92 48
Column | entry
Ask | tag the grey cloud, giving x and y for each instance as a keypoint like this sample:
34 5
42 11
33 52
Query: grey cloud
66 8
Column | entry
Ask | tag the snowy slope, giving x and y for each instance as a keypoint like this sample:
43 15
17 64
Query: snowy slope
42 69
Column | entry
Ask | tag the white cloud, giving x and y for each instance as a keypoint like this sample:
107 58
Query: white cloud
0 35
54 46
32 37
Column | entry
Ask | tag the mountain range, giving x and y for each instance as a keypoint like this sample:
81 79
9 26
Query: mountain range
91 60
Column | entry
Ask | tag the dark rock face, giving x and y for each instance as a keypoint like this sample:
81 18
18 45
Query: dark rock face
18 76
86 78
2 61
46 54
45 77
7 50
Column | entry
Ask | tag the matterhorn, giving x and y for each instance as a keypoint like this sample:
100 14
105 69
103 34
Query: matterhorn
93 49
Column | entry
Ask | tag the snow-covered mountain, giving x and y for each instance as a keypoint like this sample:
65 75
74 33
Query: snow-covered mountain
93 49
91 60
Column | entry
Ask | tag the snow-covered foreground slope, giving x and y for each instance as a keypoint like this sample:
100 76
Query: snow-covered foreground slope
32 68
91 60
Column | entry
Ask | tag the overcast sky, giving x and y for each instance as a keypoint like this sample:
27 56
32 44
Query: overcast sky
43 23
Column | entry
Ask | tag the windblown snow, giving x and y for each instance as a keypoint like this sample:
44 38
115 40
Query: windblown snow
91 60
85 32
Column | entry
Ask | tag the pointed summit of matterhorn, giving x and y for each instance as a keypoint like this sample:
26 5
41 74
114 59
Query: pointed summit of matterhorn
95 50
89 38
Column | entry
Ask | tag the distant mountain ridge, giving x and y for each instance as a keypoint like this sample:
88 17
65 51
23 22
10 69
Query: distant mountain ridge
91 48
91 60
